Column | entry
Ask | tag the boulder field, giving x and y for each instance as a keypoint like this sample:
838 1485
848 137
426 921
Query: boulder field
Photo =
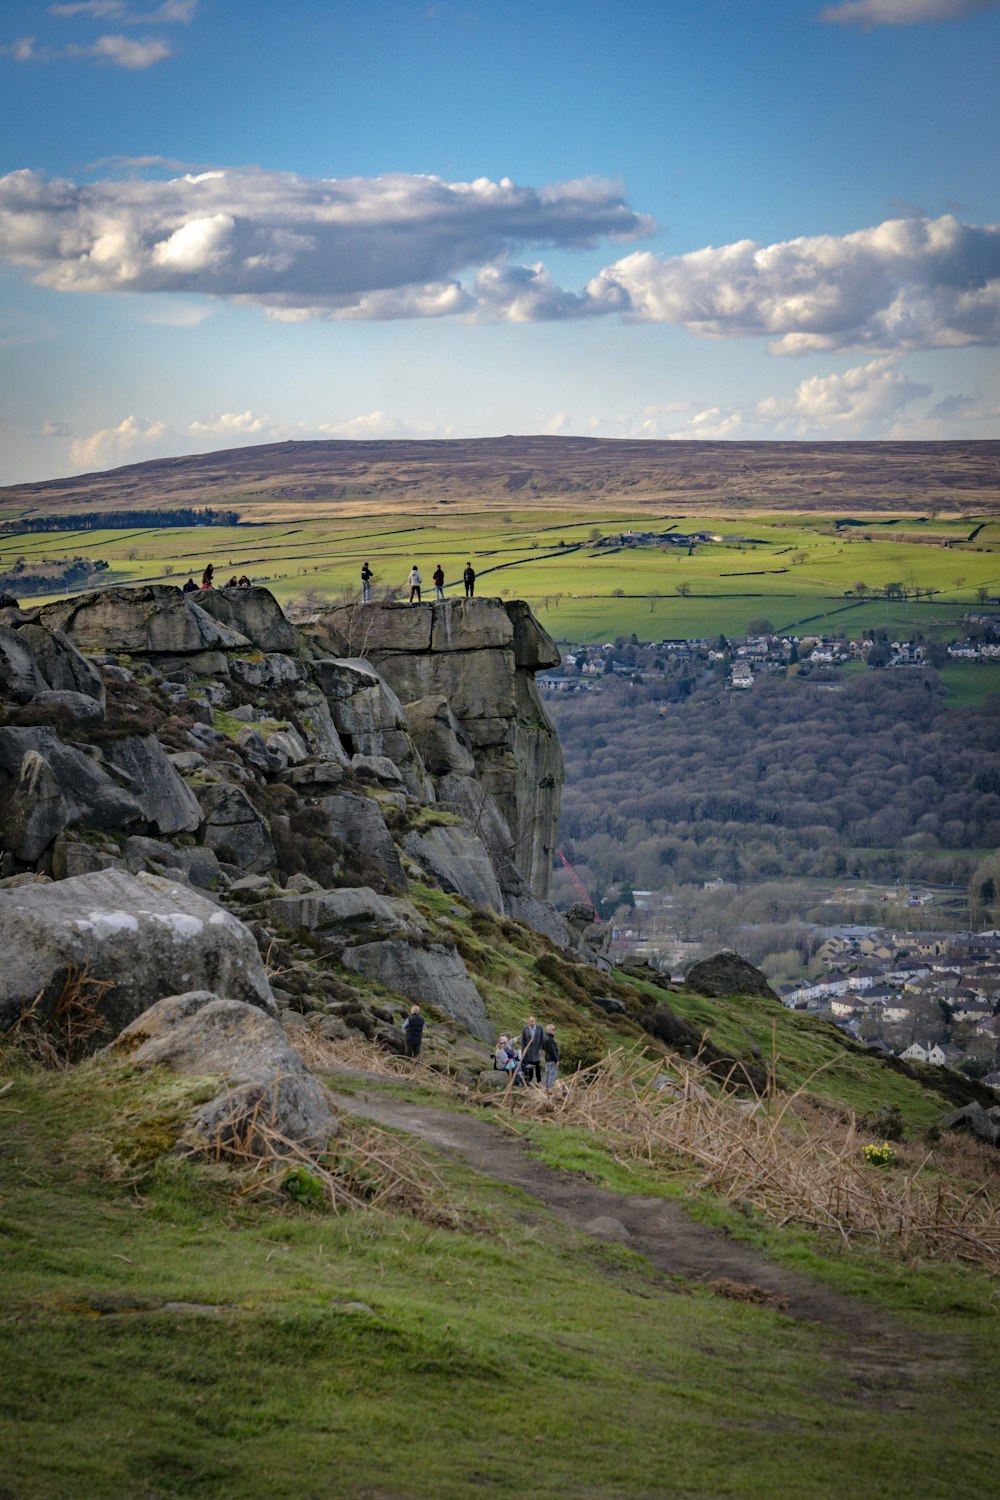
191 784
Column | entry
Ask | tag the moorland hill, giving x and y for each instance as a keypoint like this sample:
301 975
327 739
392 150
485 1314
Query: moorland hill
305 478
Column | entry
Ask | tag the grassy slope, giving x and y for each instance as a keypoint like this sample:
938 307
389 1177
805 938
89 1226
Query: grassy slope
505 1355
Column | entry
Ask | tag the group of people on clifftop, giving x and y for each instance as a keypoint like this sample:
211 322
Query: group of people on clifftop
535 1060
208 582
415 583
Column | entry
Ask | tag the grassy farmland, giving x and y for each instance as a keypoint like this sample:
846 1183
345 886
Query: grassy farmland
799 571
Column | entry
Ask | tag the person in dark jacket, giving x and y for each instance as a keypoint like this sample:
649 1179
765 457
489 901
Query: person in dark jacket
531 1050
366 583
438 576
413 1031
190 587
550 1051
469 579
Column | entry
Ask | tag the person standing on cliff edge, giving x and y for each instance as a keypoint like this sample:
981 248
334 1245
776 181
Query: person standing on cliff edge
366 583
415 582
469 579
438 576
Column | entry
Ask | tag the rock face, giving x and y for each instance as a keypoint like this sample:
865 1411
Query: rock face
141 936
480 655
727 974
434 975
202 1033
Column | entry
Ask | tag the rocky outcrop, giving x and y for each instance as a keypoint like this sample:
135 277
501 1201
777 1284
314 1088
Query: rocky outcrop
132 939
205 742
265 1083
480 655
152 620
727 973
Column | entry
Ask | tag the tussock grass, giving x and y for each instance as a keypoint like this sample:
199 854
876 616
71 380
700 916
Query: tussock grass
764 1153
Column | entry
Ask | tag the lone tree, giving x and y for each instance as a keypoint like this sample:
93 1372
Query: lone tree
683 589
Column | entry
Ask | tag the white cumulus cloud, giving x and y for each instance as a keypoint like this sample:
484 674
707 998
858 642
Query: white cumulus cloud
869 13
904 284
133 438
861 402
378 248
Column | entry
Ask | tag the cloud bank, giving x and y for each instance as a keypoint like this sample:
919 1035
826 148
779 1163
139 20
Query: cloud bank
137 438
869 13
379 248
402 246
866 400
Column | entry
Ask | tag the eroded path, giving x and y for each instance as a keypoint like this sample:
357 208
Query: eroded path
883 1354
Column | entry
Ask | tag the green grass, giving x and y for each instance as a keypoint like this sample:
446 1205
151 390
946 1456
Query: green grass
507 1355
804 1050
968 682
795 572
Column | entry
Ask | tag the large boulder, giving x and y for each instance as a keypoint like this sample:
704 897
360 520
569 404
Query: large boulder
234 829
534 648
345 913
254 613
64 668
49 786
152 619
458 861
167 802
267 1088
358 824
975 1120
433 975
727 973
20 676
471 625
141 936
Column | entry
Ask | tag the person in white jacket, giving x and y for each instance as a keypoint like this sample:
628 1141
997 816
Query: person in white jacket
415 581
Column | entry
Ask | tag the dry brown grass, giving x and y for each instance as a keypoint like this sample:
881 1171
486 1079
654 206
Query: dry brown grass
355 1055
767 1154
363 1167
58 1037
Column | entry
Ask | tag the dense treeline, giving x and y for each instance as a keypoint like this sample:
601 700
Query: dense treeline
59 573
871 776
122 520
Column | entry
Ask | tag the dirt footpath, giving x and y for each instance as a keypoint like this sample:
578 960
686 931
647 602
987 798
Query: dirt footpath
882 1353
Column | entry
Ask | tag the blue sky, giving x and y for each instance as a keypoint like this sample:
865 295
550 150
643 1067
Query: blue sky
227 222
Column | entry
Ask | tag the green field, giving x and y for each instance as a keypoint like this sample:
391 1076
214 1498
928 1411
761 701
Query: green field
795 571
